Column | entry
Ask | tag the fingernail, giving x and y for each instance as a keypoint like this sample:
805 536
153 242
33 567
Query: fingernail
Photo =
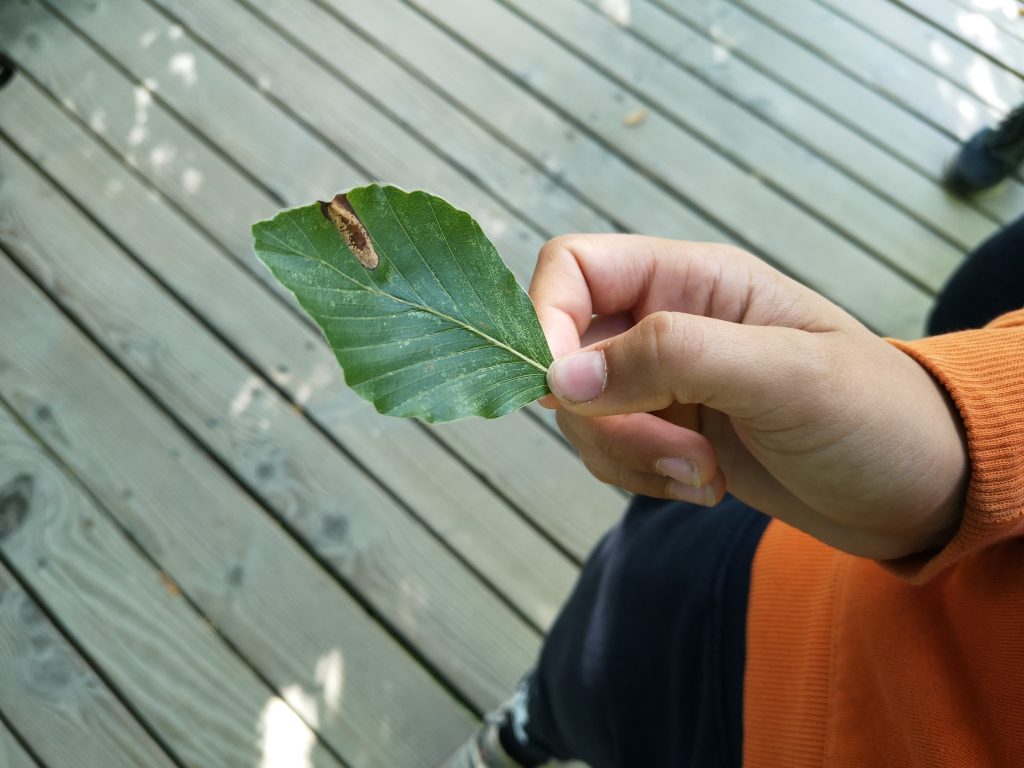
683 470
704 496
578 378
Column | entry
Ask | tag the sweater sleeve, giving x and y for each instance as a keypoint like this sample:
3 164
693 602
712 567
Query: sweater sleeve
983 371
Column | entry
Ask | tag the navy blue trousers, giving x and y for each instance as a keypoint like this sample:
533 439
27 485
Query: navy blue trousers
644 666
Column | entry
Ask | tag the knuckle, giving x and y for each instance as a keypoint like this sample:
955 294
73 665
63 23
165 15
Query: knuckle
821 361
667 337
554 248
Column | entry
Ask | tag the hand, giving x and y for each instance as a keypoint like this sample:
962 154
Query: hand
706 370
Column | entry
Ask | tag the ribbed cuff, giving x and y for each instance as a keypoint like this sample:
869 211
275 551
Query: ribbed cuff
983 371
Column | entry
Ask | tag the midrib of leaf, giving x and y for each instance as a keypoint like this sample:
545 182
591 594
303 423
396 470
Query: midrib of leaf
422 308
448 245
453 321
442 286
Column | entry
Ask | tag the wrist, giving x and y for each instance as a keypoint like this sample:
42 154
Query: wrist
946 470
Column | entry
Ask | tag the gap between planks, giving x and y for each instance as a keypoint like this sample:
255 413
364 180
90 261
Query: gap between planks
329 403
217 544
258 159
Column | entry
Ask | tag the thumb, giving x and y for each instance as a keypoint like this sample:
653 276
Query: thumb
675 357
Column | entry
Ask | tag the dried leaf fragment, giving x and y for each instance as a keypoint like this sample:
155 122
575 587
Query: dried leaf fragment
170 584
633 119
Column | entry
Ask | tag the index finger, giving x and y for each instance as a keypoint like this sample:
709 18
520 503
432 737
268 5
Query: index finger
578 276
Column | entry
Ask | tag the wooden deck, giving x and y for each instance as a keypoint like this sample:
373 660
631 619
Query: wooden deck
211 552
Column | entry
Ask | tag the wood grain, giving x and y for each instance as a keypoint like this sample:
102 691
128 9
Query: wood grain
817 78
895 182
299 59
575 524
536 128
278 607
164 657
47 689
12 754
963 47
777 228
253 130
226 203
367 539
888 71
454 503
894 238
1004 16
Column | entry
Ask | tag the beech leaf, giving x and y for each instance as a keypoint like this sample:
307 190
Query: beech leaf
421 312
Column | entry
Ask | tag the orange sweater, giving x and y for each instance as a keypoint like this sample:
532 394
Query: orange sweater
917 661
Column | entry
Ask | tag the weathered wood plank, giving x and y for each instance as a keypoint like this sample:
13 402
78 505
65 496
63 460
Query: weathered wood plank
341 118
575 525
402 456
264 593
532 125
965 47
898 54
226 203
882 229
365 537
601 165
893 180
47 688
776 227
299 60
751 38
889 71
1003 14
120 610
12 754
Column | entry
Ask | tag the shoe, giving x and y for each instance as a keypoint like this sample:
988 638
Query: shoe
483 750
988 157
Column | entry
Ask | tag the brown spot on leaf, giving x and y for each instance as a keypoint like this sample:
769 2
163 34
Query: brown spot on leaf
339 212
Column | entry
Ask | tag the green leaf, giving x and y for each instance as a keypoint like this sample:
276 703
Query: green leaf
421 312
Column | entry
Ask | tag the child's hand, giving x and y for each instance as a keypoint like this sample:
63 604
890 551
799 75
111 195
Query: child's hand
723 373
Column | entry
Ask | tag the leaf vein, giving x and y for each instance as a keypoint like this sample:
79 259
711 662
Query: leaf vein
419 253
413 364
383 344
431 310
464 374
